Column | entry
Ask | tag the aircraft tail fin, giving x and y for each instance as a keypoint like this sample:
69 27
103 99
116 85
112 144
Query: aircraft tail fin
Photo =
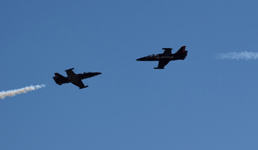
184 55
182 52
59 79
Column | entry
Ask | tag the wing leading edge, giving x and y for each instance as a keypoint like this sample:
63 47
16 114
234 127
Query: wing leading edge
80 84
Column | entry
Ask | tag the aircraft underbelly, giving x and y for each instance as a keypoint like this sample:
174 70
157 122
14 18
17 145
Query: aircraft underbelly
78 83
75 80
153 59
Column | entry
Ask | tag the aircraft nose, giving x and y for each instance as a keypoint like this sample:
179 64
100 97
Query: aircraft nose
139 59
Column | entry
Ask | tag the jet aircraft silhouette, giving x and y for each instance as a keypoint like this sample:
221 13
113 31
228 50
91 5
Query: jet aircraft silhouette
165 57
75 79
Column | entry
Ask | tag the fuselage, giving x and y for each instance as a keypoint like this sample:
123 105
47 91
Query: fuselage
73 77
159 57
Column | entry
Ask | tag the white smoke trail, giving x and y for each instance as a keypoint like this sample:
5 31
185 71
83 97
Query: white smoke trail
11 93
242 55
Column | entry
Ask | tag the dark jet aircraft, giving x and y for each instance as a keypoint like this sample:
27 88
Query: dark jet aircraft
75 79
166 57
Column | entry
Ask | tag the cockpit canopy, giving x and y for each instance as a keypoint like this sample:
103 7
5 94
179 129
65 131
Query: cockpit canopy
153 55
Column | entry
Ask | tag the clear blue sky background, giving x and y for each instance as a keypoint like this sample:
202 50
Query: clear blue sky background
200 103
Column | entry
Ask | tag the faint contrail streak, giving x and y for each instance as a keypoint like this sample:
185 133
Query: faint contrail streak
11 93
242 55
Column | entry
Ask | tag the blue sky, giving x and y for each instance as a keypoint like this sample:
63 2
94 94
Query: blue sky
199 103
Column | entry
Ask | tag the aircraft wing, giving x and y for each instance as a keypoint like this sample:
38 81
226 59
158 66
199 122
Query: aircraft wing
70 72
162 64
88 75
80 84
167 51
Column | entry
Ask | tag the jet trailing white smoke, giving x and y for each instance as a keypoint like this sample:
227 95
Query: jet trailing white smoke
242 55
11 93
